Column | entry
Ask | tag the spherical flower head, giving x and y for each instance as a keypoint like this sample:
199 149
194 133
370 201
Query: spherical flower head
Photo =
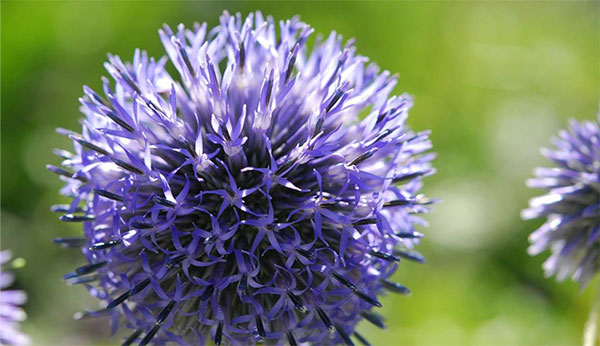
10 312
265 193
571 204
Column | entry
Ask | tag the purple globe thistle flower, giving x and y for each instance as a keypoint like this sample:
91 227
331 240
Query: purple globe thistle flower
244 199
10 312
571 205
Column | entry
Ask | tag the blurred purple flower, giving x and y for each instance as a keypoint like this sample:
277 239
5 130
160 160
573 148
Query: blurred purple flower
10 312
267 192
571 205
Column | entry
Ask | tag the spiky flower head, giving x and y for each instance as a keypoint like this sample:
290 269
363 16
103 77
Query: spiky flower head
10 312
571 204
244 199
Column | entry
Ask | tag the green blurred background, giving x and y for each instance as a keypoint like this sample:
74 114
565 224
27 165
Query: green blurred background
493 80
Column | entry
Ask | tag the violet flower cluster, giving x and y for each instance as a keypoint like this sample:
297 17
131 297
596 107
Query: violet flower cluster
11 314
571 204
265 193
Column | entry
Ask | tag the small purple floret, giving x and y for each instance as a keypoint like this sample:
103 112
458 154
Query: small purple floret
571 205
10 312
265 193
